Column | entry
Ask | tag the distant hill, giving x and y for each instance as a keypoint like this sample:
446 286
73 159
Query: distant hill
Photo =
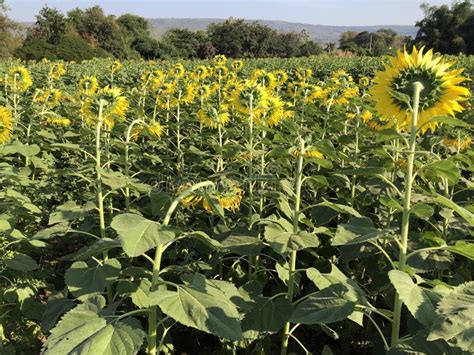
319 33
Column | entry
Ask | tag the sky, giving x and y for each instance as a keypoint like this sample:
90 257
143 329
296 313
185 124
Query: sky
322 12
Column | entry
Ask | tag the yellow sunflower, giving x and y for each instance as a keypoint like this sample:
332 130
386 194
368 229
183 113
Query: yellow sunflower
57 71
220 60
281 77
303 74
213 117
237 65
50 97
275 112
6 126
200 72
116 66
19 79
114 106
88 85
155 129
366 115
57 121
177 71
441 94
250 96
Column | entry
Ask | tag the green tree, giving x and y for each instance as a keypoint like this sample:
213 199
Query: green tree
185 43
447 30
8 37
50 25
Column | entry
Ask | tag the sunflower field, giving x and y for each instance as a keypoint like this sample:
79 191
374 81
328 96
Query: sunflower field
270 206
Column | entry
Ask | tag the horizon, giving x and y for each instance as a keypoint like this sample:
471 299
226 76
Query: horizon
349 13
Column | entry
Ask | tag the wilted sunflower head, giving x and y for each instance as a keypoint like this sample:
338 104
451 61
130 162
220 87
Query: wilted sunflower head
19 79
394 88
88 85
214 117
6 125
114 106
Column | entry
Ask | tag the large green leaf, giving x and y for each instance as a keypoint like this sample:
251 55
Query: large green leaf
69 211
84 280
415 298
463 248
139 234
21 262
284 242
268 314
464 213
201 305
455 318
323 307
442 169
357 230
86 331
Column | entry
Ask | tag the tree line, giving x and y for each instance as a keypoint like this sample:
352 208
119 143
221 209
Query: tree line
84 34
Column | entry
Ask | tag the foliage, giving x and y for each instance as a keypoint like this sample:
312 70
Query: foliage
149 206
384 41
448 30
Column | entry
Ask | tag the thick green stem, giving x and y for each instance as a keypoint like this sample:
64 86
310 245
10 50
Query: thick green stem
397 308
296 216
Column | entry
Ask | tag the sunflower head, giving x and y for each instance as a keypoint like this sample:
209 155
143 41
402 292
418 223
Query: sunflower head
237 65
366 115
227 194
364 82
220 71
88 85
49 97
57 121
303 74
116 66
281 77
264 78
203 92
19 79
250 96
214 117
275 112
177 71
220 60
201 72
6 125
114 106
57 71
155 130
394 88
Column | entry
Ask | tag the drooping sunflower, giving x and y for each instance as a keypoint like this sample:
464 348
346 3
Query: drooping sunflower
6 125
19 79
214 117
309 153
116 66
88 85
228 195
441 94
114 106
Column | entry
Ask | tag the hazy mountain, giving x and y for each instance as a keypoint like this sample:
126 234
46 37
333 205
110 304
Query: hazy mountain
319 33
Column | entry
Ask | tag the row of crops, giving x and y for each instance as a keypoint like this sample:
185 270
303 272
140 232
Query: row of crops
306 206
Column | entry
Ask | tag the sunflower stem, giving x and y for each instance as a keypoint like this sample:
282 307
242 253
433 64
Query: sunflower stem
296 214
397 308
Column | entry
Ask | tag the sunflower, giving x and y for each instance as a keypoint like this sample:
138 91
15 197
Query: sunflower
268 80
57 121
116 66
280 76
57 71
250 95
6 127
88 85
440 96
237 65
220 60
303 74
19 79
177 71
309 153
275 112
220 72
50 97
364 82
203 92
191 200
458 139
155 130
228 195
366 115
114 106
200 72
213 117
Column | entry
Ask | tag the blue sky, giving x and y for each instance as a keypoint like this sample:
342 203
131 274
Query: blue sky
325 12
